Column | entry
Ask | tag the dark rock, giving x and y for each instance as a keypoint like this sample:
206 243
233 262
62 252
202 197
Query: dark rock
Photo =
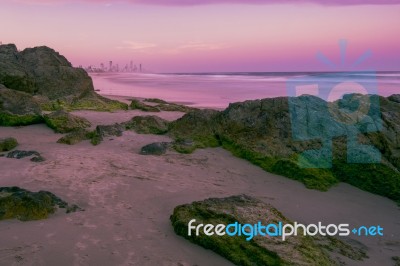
74 137
38 159
260 250
17 154
18 108
147 125
110 130
157 148
154 100
138 105
160 105
172 107
64 122
8 144
21 204
262 132
43 71
199 127
394 98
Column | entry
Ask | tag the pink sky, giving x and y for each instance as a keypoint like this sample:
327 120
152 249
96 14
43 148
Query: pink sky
195 35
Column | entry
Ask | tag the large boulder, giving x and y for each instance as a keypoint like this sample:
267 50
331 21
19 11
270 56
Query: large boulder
251 248
43 72
147 125
8 144
18 108
64 122
156 148
286 136
24 205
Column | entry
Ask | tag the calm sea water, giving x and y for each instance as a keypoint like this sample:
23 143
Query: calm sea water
217 90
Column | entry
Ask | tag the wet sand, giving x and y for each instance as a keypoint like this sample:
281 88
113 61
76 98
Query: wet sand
128 199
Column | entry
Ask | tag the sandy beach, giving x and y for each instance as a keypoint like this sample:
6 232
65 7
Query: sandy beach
127 200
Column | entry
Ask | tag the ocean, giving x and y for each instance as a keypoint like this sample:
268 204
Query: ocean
217 90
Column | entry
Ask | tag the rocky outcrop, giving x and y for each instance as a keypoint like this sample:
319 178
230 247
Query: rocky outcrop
262 131
75 137
157 105
138 105
147 125
64 122
156 148
18 108
35 156
259 250
49 77
24 205
8 144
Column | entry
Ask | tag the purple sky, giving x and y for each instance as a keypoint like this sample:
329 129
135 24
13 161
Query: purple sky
219 35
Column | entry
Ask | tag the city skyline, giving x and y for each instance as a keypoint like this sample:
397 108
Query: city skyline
206 36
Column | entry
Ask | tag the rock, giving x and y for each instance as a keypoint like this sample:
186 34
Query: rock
102 131
396 260
8 144
154 100
74 137
110 130
199 127
24 205
138 105
44 72
172 107
160 105
64 122
37 158
147 125
18 108
262 132
157 148
260 250
394 98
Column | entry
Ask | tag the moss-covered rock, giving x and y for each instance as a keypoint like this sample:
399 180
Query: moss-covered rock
35 156
172 107
156 148
8 144
64 122
260 250
75 137
43 72
158 105
147 125
261 131
138 105
199 127
21 204
18 108
154 100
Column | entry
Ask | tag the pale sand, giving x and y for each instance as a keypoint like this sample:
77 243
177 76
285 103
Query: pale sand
128 199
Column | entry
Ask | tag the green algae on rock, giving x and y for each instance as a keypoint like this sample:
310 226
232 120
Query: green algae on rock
8 144
147 125
24 205
64 122
298 250
260 131
18 108
51 78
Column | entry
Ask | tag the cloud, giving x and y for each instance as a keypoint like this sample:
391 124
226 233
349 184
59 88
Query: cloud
210 2
200 46
132 45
